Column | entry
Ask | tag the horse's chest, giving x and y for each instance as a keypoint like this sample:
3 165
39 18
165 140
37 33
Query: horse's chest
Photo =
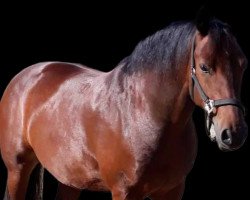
168 162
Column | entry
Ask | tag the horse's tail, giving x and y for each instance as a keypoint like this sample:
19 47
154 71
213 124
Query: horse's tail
35 189
39 183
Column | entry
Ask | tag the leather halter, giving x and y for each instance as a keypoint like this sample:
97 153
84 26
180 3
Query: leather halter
210 104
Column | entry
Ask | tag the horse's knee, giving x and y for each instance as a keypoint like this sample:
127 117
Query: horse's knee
118 194
125 195
6 194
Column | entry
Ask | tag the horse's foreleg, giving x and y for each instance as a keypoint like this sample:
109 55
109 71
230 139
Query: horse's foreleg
17 183
174 194
65 192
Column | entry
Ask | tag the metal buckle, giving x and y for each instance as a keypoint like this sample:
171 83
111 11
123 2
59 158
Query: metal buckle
209 106
192 70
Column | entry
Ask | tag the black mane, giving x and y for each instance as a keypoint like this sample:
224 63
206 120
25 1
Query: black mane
168 48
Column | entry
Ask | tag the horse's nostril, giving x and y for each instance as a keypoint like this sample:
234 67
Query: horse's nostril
226 137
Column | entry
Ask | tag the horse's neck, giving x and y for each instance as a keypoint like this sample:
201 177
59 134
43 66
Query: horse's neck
153 108
168 97
165 96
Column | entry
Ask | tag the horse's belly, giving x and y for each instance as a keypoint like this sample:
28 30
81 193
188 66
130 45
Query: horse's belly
61 145
82 174
70 163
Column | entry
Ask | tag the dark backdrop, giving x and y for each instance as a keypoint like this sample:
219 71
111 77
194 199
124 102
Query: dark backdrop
100 35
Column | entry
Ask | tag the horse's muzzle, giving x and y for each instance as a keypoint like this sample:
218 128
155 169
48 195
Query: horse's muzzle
231 140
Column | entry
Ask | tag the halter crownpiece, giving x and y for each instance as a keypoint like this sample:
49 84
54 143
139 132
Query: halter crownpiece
210 104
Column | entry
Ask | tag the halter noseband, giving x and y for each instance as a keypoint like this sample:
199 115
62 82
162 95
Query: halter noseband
210 104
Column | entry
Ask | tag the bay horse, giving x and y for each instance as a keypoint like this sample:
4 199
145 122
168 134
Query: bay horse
130 130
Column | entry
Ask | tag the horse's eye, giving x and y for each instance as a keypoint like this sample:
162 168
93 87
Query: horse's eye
204 68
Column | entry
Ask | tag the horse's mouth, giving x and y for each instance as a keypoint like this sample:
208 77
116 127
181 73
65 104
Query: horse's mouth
226 148
210 128
227 140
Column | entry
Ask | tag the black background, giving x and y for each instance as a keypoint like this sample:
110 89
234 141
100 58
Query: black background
100 35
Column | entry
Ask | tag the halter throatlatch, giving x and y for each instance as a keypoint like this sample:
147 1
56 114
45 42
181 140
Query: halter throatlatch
210 104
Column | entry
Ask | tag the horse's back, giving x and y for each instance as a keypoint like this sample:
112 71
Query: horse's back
37 83
47 74
43 78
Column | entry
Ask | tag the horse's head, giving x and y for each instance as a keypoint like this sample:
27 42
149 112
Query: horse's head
217 66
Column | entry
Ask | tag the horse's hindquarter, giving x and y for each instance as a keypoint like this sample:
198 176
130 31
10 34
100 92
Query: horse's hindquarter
48 100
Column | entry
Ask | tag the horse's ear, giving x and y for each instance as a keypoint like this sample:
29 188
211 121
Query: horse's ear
203 19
